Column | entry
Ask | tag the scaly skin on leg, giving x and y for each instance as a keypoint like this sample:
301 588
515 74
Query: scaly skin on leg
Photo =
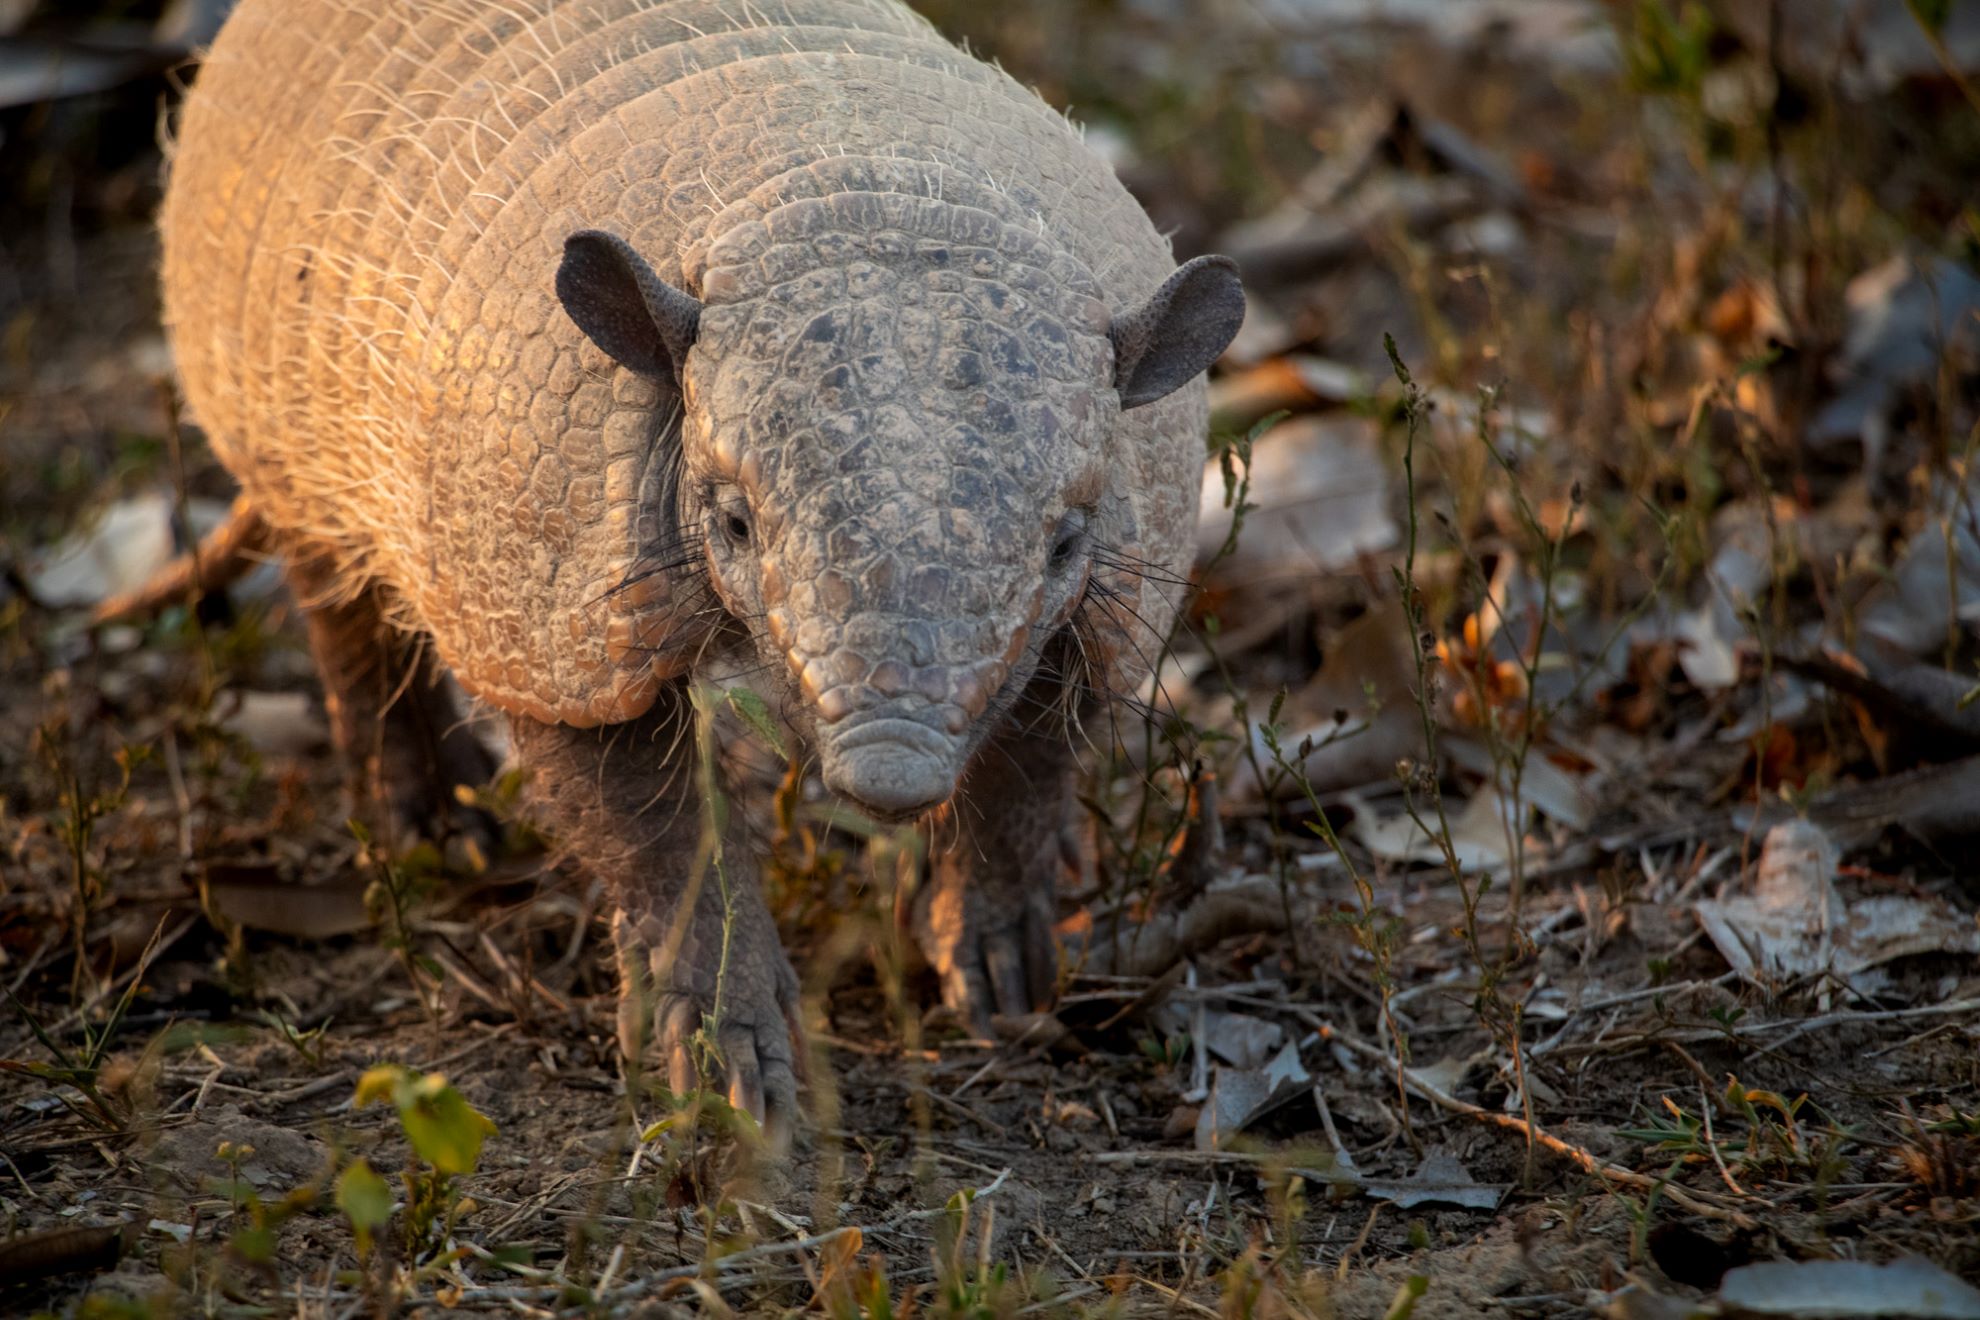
985 919
402 738
624 800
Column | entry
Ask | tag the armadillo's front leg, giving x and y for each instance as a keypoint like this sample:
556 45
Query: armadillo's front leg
985 920
697 948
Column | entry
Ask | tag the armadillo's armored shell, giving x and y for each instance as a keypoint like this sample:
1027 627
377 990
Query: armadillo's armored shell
367 209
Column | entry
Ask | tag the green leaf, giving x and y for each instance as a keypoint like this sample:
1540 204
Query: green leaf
366 1201
1932 15
444 1129
378 1083
255 1245
1404 1302
756 715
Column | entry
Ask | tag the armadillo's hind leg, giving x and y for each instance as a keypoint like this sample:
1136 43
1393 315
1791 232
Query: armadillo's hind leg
405 743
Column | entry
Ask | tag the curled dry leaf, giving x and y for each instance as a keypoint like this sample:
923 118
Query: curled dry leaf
1123 946
1904 319
1794 924
1242 1096
1932 595
260 897
1239 1039
1367 717
1481 834
277 723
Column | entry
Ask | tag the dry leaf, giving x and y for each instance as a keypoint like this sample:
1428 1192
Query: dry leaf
1910 1286
1321 491
277 723
1242 1096
259 897
1794 924
1480 834
1440 1180
1239 1039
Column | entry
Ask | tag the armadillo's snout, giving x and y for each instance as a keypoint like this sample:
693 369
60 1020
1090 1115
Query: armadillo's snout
894 735
892 764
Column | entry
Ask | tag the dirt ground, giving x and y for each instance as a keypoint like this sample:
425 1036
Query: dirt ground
1551 1067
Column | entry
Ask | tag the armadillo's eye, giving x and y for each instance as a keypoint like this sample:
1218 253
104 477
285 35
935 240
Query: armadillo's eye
1066 541
735 525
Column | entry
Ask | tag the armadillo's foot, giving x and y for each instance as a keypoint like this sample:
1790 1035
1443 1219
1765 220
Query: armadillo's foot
416 787
732 1027
991 943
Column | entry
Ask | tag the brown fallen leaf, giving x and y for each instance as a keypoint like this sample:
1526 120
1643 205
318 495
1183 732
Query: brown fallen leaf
1369 720
1122 946
277 723
1240 1097
258 896
1320 497
43 1255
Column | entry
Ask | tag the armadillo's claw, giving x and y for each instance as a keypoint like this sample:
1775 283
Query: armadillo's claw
744 1047
754 1060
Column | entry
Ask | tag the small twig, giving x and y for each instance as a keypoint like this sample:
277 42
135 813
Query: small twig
961 1110
1705 1082
1360 1241
525 983
1712 1141
181 798
158 945
206 1086
998 1056
1533 1132
471 983
1176 1297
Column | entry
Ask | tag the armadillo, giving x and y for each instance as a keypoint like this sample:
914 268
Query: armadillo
603 352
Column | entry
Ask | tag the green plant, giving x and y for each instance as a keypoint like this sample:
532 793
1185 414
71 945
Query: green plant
446 1135
81 807
397 886
849 1287
366 1200
80 1068
308 1045
255 1224
968 1284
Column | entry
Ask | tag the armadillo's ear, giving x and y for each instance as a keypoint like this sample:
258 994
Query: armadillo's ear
1160 346
642 321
